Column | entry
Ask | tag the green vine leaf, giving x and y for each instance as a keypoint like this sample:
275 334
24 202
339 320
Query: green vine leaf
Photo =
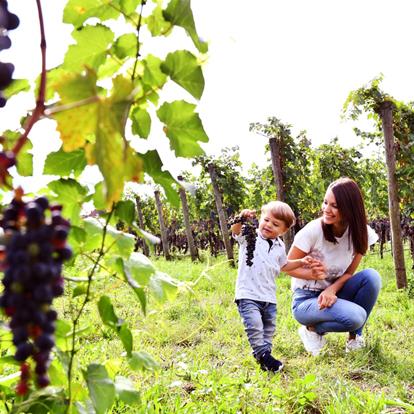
126 391
153 167
129 6
24 157
153 76
179 13
125 46
71 195
125 211
183 68
101 387
142 361
91 48
141 122
76 12
156 23
17 86
163 286
65 163
184 128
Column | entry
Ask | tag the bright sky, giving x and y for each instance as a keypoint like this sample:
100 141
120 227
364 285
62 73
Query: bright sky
293 59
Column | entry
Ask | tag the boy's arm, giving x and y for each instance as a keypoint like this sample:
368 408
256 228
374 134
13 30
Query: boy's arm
296 262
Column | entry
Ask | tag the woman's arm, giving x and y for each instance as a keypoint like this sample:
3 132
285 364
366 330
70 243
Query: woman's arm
302 272
328 297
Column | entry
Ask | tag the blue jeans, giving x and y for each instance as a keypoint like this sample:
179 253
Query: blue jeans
259 319
348 314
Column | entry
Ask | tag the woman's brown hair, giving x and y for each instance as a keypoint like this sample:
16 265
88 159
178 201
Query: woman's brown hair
350 204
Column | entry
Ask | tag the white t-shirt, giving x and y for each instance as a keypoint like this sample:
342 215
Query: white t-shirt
336 257
258 281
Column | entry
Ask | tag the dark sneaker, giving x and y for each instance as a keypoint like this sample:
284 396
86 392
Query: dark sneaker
268 363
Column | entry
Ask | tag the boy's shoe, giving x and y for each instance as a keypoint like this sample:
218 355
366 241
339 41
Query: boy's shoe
312 341
355 344
268 363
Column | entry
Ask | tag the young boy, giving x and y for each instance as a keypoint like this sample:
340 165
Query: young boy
255 286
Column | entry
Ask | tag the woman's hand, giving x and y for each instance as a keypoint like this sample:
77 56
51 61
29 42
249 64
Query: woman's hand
327 298
318 268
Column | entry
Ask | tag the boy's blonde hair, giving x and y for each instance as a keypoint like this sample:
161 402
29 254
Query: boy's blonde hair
280 211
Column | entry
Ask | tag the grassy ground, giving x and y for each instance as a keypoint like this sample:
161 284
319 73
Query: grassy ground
206 365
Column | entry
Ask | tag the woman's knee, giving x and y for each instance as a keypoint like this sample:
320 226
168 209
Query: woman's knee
355 318
373 278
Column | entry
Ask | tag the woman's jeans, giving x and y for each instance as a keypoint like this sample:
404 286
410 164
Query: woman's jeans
348 314
259 320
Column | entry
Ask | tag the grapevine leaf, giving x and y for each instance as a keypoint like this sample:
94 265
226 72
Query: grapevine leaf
101 387
125 336
184 128
99 196
77 124
153 75
156 23
71 195
179 13
140 268
64 163
163 287
107 313
126 391
80 290
183 68
139 291
126 46
17 86
141 122
85 407
125 211
129 6
153 167
91 48
109 318
109 68
123 243
142 361
76 12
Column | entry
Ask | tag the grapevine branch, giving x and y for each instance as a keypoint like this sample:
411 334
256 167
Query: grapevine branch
143 2
75 321
40 102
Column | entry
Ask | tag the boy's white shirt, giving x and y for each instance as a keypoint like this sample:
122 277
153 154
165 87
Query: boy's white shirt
258 281
336 257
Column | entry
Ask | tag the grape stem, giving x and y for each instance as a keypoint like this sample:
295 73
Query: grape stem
75 321
40 102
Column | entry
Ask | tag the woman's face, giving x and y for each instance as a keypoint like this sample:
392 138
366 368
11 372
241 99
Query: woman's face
331 214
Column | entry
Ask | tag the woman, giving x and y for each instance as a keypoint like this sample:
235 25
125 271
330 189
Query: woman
342 301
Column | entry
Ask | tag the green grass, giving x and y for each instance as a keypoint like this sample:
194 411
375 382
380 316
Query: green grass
206 364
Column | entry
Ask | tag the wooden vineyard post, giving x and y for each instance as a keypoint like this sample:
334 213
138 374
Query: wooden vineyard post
163 229
393 200
274 145
221 214
190 239
141 224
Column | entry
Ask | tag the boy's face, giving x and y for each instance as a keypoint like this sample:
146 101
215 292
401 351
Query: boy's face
271 227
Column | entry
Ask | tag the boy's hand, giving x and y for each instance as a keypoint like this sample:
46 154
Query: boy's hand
318 268
246 213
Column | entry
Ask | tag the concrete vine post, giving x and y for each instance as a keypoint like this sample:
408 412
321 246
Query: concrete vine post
163 229
221 214
393 199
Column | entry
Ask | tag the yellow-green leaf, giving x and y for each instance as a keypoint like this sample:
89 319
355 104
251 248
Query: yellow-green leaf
76 12
91 48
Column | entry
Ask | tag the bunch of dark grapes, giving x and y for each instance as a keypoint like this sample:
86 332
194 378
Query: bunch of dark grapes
34 249
248 230
8 21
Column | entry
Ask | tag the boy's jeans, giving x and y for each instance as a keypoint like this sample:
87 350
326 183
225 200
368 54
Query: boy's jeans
348 314
259 320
